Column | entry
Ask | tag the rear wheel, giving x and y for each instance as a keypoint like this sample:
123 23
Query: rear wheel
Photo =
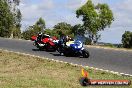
85 53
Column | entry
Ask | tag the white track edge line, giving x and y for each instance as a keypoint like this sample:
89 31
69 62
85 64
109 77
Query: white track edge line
113 72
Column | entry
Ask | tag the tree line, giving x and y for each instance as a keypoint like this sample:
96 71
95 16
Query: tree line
95 18
10 18
127 39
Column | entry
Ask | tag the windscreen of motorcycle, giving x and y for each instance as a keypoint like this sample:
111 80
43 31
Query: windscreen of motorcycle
79 38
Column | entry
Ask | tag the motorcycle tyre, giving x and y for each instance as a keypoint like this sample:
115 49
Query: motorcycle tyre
85 53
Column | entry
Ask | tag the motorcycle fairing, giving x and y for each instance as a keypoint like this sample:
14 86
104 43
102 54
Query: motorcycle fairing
69 43
33 38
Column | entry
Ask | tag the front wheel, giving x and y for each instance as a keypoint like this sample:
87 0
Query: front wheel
85 53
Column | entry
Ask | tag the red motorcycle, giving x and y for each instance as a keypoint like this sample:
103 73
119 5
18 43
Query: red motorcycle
47 42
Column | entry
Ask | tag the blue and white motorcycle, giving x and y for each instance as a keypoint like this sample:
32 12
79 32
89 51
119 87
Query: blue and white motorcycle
73 48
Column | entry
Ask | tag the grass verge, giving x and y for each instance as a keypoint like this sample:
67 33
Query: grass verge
19 71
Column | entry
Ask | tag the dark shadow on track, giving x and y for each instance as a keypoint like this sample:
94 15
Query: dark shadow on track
63 55
55 54
37 50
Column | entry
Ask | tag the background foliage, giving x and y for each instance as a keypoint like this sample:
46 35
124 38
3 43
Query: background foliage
33 30
127 39
10 18
95 18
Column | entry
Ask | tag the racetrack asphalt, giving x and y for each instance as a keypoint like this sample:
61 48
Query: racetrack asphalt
107 59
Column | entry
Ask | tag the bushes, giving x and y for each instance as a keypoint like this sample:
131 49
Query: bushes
27 34
110 45
33 30
127 39
87 41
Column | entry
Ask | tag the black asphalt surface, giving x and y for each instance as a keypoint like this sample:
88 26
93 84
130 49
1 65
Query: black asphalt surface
118 61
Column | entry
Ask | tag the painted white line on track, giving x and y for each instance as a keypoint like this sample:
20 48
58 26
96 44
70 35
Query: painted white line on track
65 62
87 67
120 74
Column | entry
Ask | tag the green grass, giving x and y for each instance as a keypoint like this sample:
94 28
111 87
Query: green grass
19 71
